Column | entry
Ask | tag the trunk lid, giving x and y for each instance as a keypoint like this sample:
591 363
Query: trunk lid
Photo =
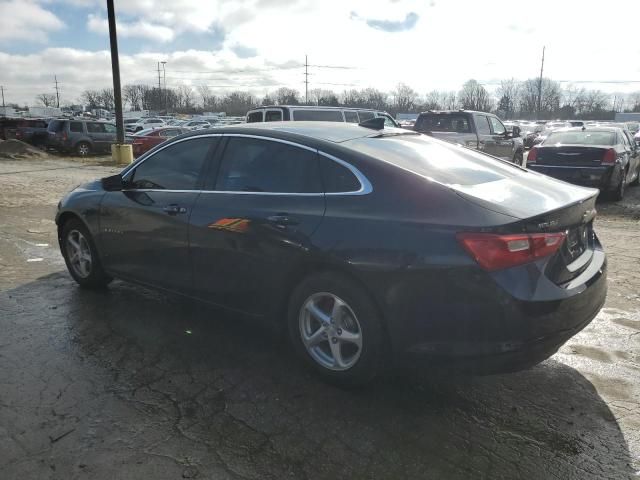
571 155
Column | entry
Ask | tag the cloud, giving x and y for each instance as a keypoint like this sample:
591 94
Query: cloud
27 21
243 51
392 26
139 29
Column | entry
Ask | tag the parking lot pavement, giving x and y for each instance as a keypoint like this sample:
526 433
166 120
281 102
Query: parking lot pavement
129 383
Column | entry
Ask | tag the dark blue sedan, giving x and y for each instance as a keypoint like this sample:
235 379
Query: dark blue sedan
366 244
603 157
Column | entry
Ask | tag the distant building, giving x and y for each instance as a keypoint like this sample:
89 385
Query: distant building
7 112
627 117
44 112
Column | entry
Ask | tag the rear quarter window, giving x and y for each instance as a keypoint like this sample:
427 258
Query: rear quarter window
337 178
318 115
56 125
254 117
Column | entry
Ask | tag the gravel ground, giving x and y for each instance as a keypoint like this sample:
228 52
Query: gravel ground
128 383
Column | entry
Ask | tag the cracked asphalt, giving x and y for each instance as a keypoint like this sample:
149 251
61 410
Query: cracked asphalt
128 383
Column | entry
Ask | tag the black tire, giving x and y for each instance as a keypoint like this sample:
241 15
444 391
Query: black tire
518 158
636 182
94 276
371 353
83 149
618 193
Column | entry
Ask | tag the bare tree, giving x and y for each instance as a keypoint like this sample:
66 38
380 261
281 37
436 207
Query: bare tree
474 96
209 100
133 95
46 99
186 97
321 96
106 99
508 93
286 96
91 98
404 98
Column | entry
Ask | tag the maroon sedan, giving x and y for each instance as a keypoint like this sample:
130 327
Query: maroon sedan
147 139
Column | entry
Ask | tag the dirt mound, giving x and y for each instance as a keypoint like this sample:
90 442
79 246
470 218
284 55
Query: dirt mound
15 149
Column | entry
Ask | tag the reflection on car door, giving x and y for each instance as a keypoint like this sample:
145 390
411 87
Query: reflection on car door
486 140
143 229
98 135
254 220
504 146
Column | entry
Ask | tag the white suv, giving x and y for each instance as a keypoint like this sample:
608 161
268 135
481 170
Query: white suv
144 123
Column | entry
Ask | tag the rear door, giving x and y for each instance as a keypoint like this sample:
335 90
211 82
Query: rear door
143 229
98 134
254 221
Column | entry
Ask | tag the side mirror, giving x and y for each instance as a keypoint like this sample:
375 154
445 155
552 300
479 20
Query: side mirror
113 183
516 131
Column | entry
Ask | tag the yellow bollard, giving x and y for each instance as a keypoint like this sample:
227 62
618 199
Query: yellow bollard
122 154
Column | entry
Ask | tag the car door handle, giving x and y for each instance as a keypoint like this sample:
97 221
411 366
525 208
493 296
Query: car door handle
282 219
174 209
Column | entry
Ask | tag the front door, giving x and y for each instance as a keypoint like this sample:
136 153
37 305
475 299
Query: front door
504 145
254 221
486 140
143 229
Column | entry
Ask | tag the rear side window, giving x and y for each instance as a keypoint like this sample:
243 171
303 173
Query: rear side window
95 128
76 127
254 117
364 115
351 117
318 115
254 165
444 123
176 167
482 125
337 178
273 116
109 128
55 125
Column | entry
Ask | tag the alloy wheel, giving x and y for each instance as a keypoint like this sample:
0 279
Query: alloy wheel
330 331
79 253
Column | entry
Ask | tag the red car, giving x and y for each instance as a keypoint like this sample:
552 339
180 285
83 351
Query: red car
147 139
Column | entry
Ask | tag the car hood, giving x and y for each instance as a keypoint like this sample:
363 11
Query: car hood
526 195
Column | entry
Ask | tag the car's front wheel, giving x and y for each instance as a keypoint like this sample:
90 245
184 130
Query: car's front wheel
81 256
83 149
335 327
518 158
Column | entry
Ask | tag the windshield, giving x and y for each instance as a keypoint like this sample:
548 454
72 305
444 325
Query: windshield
582 138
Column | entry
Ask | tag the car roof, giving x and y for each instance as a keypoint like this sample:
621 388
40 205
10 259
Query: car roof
317 107
335 132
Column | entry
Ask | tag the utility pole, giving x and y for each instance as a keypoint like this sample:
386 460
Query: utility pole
540 83
306 80
2 90
164 82
115 67
55 77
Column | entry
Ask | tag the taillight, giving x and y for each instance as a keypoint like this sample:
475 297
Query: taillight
533 155
609 157
496 252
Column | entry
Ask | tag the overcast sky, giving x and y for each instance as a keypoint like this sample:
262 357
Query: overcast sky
259 45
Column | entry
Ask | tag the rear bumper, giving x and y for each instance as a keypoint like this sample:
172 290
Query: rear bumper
501 322
604 178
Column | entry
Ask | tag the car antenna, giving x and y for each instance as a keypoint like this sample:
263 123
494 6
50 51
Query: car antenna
376 123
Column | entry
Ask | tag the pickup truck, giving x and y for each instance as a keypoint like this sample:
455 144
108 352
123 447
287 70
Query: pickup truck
478 130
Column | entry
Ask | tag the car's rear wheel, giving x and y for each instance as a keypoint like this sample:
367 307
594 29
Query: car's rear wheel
618 193
637 179
336 329
81 256
83 149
